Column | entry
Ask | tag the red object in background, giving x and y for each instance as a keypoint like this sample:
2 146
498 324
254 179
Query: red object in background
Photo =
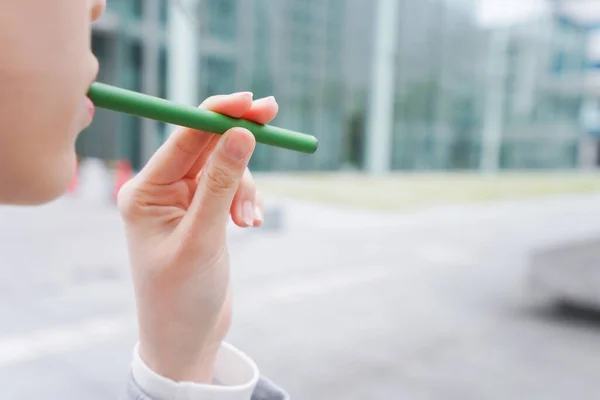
123 173
75 181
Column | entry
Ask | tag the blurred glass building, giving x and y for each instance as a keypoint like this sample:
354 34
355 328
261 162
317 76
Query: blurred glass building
537 73
465 96
130 41
587 15
437 117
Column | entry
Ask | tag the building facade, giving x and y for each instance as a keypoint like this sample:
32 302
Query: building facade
542 88
475 97
289 49
437 110
130 41
586 15
464 97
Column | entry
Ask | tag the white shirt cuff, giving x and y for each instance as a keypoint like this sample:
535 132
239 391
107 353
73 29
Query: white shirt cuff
236 373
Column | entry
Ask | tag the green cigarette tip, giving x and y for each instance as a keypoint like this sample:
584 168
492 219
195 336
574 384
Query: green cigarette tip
142 105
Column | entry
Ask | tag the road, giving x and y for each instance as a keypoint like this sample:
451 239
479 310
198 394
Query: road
337 305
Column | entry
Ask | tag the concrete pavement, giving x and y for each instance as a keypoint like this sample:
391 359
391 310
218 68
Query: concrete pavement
339 304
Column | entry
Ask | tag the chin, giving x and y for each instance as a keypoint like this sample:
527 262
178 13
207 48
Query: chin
42 194
50 193
30 197
44 187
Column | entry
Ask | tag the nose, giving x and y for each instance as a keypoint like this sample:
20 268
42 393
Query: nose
98 7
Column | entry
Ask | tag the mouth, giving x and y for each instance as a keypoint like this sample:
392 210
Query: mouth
88 103
90 107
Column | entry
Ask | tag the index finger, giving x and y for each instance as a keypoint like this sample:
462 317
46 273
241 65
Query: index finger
174 159
262 111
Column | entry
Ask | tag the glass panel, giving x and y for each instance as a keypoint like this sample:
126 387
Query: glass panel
132 125
163 70
136 8
221 18
218 76
163 12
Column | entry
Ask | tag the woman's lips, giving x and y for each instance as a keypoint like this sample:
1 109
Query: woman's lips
90 107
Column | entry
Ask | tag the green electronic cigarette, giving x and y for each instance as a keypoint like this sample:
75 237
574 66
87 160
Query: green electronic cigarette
142 105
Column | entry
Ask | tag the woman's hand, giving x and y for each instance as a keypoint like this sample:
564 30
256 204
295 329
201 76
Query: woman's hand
176 211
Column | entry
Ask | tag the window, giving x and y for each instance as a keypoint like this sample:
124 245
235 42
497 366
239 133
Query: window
162 85
163 72
219 76
163 12
221 19
136 8
262 45
136 66
131 145
558 63
114 5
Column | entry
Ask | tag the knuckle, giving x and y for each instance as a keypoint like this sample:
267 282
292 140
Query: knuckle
219 179
189 146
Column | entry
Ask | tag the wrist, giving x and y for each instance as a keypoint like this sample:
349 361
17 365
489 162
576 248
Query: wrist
176 340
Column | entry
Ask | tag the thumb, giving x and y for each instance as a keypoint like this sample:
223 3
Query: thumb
219 181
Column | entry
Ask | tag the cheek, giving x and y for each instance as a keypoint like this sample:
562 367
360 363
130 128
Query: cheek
45 70
37 155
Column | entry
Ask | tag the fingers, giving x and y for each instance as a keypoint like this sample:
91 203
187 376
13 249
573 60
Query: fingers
246 209
235 105
218 184
259 209
179 153
262 111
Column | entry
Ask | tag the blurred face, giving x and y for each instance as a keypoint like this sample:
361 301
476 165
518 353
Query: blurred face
46 68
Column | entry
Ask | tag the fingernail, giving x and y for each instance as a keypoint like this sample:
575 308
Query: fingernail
258 215
242 94
267 99
248 213
237 148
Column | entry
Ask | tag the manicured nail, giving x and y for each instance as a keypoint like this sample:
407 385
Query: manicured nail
248 213
258 216
243 94
266 100
237 148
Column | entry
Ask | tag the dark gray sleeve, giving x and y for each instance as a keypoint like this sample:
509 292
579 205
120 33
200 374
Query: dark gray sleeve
265 390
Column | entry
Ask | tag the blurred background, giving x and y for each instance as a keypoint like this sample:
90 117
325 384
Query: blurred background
442 243
465 84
